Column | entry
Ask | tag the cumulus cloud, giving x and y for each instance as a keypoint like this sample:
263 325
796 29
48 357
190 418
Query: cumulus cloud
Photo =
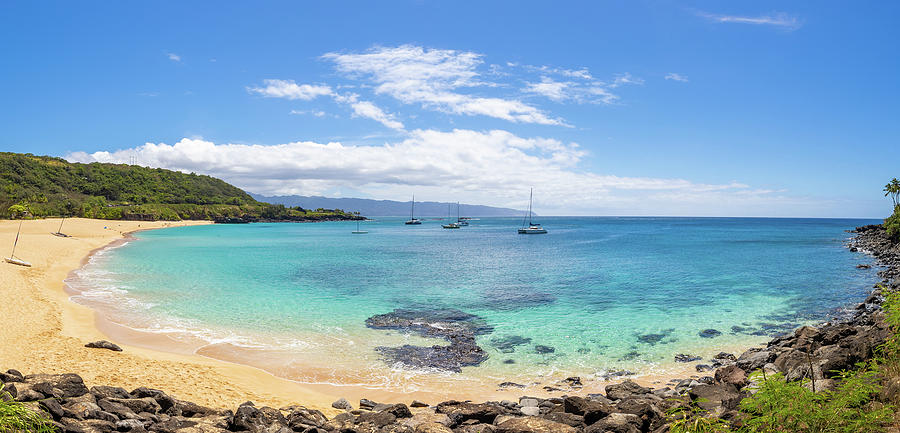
290 90
490 167
433 78
173 57
778 19
676 77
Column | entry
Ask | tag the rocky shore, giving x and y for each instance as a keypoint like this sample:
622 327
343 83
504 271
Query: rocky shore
626 407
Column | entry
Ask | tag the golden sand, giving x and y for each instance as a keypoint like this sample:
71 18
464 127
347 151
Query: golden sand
43 331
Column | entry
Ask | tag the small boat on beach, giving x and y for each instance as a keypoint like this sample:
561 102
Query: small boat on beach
12 257
532 228
412 210
58 231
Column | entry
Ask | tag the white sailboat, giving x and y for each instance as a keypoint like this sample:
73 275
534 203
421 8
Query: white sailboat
412 211
358 231
12 257
461 221
532 228
452 225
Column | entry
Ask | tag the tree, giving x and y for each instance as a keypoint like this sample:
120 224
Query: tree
893 189
17 210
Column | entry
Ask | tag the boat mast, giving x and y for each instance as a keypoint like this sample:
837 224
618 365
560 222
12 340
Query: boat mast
457 211
59 230
13 254
530 197
413 208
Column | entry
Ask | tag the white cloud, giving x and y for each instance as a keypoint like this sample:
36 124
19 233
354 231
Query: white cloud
676 77
434 78
778 19
594 92
317 113
371 111
290 90
624 79
488 167
173 57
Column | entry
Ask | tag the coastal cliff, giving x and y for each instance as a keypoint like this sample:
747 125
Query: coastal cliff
815 356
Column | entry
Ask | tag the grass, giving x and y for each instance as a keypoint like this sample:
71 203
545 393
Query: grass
782 406
16 417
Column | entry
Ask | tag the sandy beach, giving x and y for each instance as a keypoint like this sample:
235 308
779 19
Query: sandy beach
44 331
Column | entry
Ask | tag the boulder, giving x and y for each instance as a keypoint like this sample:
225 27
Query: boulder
625 389
109 392
591 410
57 385
732 375
432 427
643 407
117 409
398 410
531 424
103 344
616 423
460 412
11 376
710 397
52 407
342 403
138 405
681 357
476 428
754 359
427 418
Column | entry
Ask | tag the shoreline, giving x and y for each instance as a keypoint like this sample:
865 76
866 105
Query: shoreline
625 406
157 348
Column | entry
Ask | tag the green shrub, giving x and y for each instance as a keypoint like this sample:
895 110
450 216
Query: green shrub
16 417
892 224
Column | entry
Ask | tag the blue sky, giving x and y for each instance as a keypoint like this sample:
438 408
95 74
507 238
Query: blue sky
606 108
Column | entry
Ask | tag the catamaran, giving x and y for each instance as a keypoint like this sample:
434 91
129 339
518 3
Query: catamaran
452 225
532 228
12 257
412 211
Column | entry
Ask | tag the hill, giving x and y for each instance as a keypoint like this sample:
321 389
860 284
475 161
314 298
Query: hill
42 186
387 207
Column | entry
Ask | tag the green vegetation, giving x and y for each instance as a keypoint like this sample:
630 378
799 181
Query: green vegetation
16 417
782 406
892 223
43 186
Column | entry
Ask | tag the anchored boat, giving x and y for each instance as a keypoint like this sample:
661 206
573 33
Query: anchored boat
532 228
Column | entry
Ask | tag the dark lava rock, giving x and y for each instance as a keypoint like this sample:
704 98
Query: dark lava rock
367 404
681 357
540 348
702 368
57 385
399 410
710 333
509 361
531 424
754 359
511 385
162 399
732 375
455 326
450 358
509 343
103 344
591 410
460 412
11 376
709 397
617 423
625 389
109 392
342 403
725 356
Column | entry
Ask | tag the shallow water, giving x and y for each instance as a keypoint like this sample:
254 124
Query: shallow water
593 295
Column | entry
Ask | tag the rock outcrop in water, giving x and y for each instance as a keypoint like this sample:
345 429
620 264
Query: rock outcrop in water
624 408
457 327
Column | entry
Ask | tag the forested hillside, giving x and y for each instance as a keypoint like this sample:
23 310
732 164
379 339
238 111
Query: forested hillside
42 186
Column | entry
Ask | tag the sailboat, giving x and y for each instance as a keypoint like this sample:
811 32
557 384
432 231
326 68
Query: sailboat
12 257
358 231
412 210
452 225
532 228
461 221
58 231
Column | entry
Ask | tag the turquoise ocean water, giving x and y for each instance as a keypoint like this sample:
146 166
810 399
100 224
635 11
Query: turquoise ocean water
603 293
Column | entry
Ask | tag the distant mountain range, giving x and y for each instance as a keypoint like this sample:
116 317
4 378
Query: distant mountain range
370 207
